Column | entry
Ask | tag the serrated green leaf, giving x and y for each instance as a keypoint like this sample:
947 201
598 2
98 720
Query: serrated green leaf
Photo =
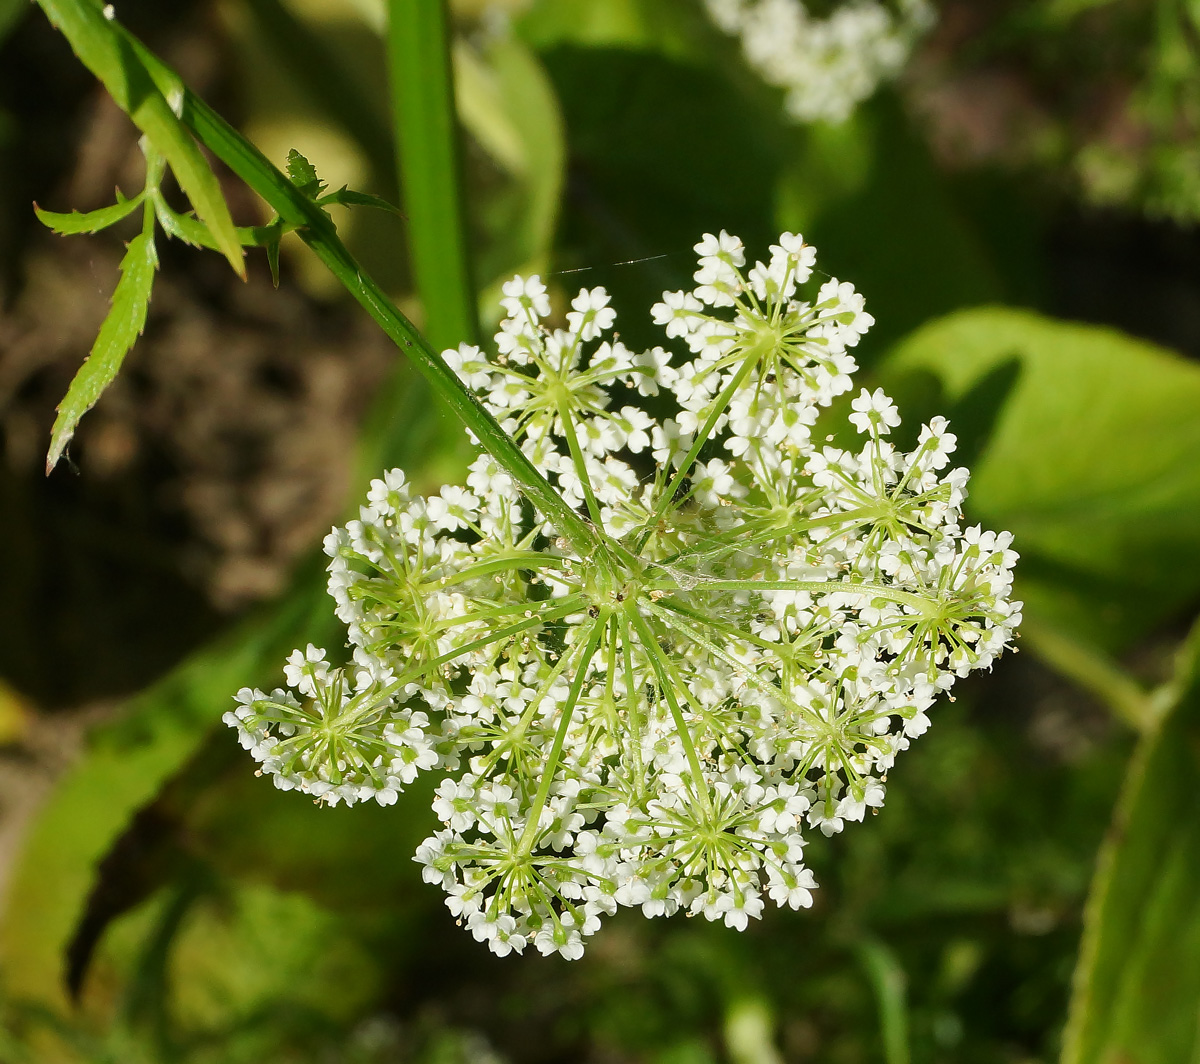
347 197
1093 462
193 231
124 324
303 175
89 222
1136 995
107 50
183 227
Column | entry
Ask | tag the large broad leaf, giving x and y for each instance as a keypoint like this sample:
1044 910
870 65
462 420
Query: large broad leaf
1136 998
1090 456
867 194
122 771
118 333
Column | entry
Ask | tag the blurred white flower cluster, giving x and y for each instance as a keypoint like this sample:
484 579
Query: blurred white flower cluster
826 66
757 629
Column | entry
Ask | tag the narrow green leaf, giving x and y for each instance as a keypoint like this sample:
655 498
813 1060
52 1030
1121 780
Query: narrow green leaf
427 145
1092 460
349 198
124 324
273 260
1136 995
193 231
182 226
89 222
108 51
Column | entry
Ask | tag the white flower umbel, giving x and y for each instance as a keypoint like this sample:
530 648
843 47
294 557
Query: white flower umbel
826 66
760 626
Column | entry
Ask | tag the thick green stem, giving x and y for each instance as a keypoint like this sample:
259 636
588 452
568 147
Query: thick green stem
426 137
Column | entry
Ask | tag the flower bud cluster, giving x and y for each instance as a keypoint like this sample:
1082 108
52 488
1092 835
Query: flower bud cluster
826 66
656 717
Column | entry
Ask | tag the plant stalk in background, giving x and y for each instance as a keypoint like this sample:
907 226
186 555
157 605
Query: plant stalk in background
426 140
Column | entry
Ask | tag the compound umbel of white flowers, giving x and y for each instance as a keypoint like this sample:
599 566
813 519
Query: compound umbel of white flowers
655 721
826 66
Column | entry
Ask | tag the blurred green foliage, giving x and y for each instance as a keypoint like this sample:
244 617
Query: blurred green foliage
201 916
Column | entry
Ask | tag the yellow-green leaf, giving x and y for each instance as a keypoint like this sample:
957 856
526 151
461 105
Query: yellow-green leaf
91 222
109 52
1089 452
1136 997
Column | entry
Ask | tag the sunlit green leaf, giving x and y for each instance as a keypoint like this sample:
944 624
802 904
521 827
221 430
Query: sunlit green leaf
90 222
192 231
124 768
1136 997
109 53
1092 460
124 324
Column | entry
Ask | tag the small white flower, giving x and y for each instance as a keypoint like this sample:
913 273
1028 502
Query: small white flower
662 719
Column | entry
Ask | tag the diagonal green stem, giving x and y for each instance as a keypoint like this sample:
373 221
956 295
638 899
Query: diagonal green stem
318 232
